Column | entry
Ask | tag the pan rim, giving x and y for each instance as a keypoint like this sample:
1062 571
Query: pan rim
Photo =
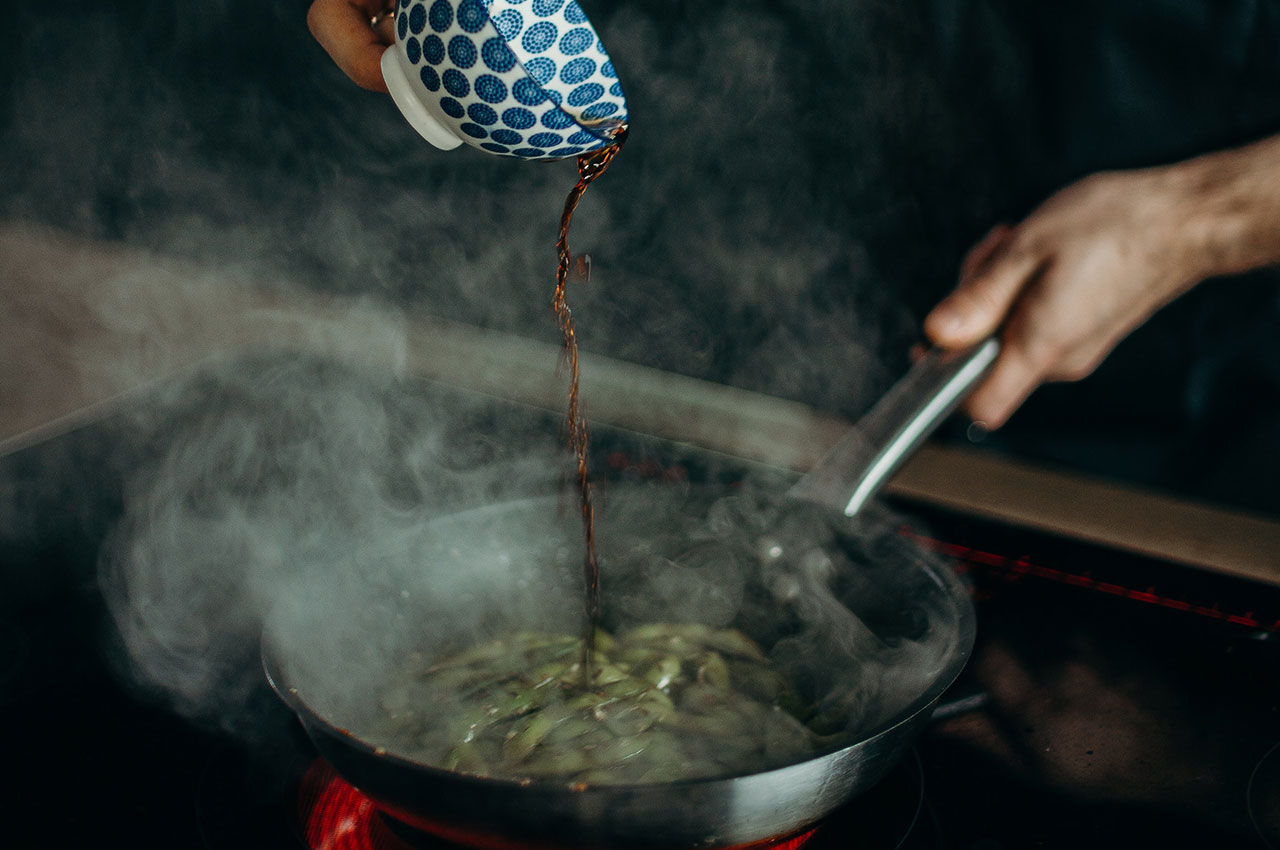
946 579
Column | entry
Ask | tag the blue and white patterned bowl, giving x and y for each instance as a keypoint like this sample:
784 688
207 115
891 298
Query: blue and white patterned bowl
523 78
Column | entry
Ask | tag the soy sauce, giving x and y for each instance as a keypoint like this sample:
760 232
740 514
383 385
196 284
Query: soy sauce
590 166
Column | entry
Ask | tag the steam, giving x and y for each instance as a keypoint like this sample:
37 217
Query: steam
285 481
741 238
355 516
851 614
859 622
753 225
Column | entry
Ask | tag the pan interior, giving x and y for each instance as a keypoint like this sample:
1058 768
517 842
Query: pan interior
866 628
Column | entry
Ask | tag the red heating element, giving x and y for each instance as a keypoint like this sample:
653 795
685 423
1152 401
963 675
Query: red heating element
1014 568
335 816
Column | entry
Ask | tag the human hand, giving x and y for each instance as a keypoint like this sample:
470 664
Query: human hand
1094 261
345 30
1066 284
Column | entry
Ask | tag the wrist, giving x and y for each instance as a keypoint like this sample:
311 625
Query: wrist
1227 206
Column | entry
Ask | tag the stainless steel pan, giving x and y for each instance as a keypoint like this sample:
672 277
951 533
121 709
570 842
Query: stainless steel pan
515 566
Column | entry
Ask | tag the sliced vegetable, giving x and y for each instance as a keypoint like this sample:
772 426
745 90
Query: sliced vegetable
668 701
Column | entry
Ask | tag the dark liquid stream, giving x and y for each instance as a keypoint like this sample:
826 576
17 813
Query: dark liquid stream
590 166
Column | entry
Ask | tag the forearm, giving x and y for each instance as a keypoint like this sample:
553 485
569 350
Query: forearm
1232 208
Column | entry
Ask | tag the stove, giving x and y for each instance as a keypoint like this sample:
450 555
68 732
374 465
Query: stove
332 814
1113 700
316 808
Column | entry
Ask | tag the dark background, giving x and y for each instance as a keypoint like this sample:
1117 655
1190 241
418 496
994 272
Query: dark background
801 181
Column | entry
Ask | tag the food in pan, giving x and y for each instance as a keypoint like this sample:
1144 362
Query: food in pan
666 702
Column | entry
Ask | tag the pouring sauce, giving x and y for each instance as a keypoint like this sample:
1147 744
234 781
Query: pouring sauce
590 166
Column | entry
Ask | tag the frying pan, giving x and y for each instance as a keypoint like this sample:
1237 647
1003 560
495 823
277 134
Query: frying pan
904 623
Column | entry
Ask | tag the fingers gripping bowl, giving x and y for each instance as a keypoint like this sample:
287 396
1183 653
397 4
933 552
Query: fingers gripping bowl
520 78
866 631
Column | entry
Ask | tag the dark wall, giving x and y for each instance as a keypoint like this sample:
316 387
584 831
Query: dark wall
800 183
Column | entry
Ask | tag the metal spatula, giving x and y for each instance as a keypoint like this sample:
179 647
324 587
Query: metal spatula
858 466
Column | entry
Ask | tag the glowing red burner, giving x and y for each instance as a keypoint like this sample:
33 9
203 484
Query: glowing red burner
794 843
335 816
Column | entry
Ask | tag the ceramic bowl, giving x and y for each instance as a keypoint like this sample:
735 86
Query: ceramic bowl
521 78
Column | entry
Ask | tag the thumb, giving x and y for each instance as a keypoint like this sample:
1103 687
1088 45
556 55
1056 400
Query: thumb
985 294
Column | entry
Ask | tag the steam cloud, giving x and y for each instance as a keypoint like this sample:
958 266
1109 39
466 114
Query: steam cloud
740 238
353 517
288 482
752 227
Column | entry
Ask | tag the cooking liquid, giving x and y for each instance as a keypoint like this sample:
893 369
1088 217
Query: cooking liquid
590 166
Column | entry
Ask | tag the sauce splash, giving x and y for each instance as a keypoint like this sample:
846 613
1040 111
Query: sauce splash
590 166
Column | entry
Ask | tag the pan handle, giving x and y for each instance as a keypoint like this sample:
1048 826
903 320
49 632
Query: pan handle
858 466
